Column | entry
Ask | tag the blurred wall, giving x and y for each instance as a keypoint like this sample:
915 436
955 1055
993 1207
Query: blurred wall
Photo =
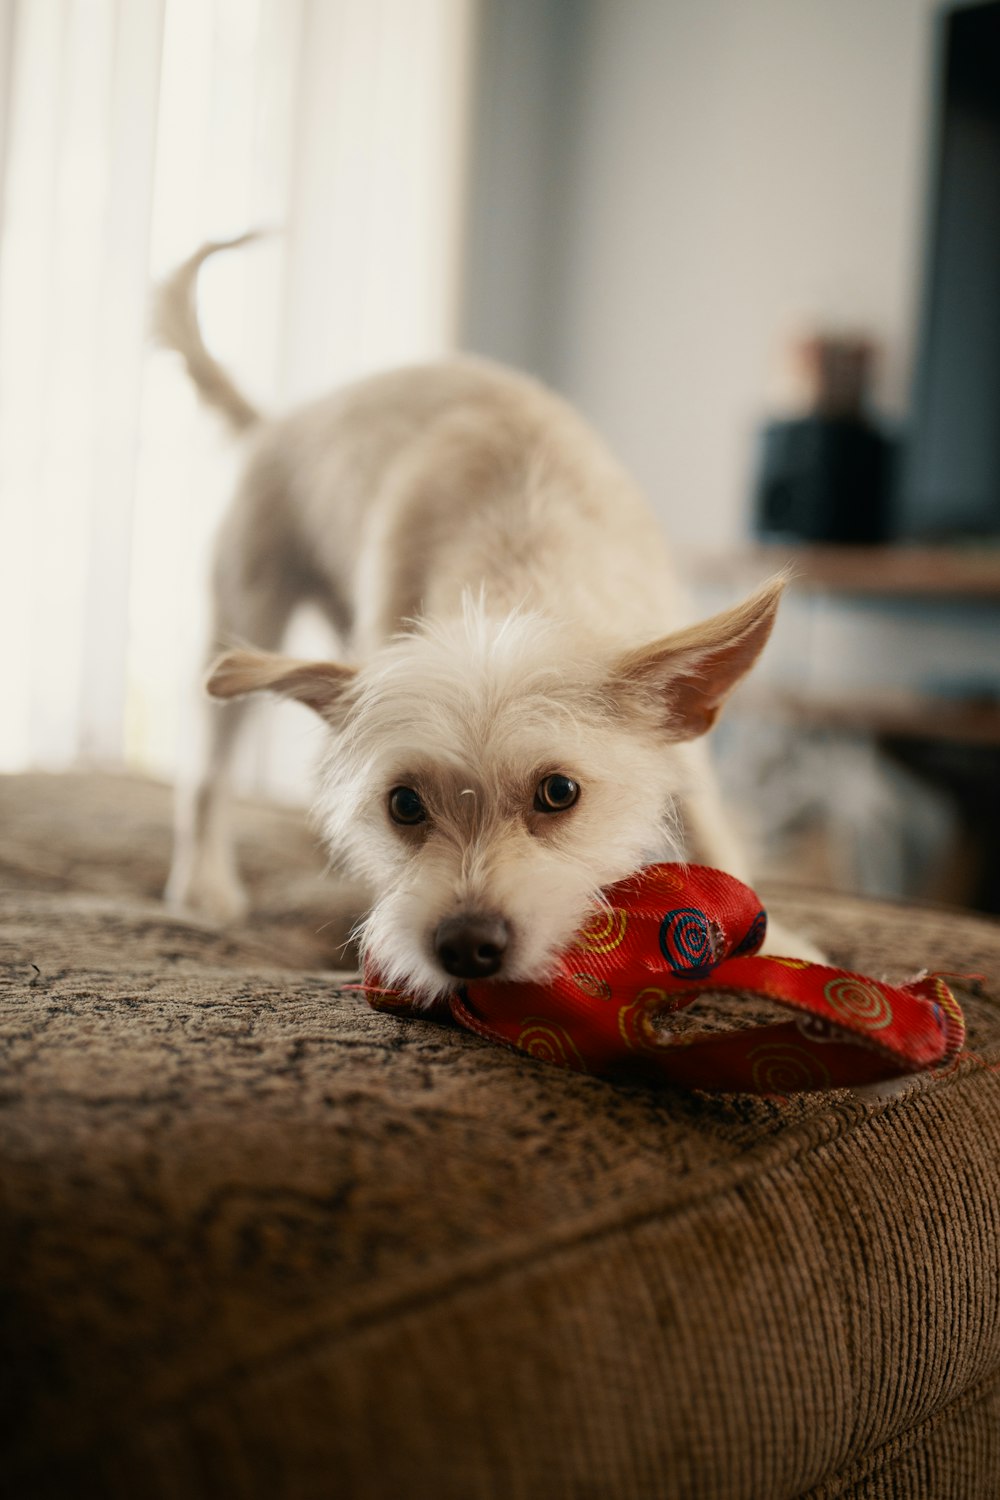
664 191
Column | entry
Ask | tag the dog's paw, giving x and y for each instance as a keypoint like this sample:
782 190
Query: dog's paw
206 890
782 942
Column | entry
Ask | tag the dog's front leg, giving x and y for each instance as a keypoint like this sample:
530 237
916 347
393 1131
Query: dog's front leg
203 876
710 839
709 835
255 593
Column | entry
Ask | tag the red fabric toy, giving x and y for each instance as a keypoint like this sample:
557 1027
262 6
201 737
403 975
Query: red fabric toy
671 934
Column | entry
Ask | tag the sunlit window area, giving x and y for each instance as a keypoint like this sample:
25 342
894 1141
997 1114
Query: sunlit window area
133 133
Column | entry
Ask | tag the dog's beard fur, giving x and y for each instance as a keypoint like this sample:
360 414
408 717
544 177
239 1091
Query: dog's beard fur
473 713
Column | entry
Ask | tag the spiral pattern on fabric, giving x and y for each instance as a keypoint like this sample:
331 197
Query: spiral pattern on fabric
637 1022
686 941
781 1068
604 932
549 1043
859 1002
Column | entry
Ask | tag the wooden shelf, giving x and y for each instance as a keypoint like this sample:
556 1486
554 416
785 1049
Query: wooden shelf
875 572
947 574
899 714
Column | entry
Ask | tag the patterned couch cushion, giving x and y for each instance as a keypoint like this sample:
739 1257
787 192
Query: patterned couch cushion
259 1240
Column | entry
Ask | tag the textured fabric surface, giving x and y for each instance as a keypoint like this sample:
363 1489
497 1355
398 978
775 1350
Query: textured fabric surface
259 1240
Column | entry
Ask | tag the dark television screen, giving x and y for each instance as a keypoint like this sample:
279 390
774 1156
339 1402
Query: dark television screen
952 474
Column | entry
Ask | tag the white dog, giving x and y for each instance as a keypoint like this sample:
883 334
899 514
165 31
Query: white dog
517 730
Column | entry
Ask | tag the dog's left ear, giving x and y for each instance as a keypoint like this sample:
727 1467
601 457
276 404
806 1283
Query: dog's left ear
320 684
683 679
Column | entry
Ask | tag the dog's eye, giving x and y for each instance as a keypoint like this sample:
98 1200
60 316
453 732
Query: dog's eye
555 794
405 806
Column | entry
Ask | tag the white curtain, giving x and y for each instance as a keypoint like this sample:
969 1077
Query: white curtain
130 131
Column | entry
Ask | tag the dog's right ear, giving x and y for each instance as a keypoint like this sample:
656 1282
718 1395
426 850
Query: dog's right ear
320 684
684 678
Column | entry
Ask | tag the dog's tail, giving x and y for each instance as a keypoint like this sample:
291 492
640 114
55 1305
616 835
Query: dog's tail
174 323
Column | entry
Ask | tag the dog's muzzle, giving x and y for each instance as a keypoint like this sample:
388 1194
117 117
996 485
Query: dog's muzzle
471 947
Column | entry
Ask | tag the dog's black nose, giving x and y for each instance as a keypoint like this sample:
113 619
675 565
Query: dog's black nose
471 947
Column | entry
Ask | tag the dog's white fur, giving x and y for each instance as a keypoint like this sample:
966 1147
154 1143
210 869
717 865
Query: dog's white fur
513 613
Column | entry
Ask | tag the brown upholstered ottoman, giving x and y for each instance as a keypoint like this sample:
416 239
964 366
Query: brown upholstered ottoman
259 1241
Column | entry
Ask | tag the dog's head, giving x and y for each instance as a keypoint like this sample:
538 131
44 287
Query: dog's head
486 777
